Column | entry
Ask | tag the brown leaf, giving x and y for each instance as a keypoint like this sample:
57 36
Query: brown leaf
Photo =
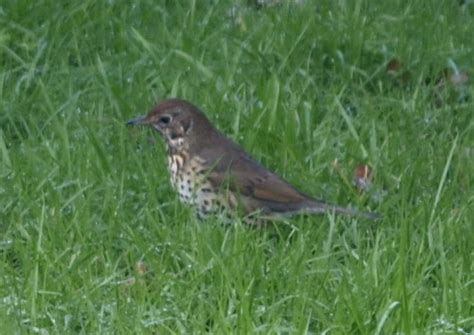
141 268
362 178
393 66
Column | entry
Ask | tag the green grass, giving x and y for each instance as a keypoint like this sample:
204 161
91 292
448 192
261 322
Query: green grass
93 239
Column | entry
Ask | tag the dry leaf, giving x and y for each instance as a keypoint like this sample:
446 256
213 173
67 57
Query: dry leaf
393 66
362 178
141 268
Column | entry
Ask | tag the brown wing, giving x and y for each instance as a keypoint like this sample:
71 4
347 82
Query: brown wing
261 183
240 173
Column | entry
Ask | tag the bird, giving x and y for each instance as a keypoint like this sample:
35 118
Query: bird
213 174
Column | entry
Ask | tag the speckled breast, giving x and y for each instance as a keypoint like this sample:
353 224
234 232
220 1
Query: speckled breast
188 177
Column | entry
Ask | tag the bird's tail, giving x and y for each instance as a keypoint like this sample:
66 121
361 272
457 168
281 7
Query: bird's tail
320 207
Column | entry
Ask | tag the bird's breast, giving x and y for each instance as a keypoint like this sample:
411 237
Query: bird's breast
189 177
186 176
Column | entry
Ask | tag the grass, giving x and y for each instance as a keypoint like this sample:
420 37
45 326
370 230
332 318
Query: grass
93 239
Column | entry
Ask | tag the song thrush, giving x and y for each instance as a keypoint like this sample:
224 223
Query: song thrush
214 174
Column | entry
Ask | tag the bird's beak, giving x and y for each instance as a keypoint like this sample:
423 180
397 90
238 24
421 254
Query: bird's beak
140 120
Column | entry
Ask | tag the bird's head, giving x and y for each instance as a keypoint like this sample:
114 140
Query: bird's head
176 120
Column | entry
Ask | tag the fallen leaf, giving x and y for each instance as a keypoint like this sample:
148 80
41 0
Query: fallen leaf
141 268
362 178
393 66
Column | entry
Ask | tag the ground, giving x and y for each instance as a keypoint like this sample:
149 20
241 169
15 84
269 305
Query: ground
93 239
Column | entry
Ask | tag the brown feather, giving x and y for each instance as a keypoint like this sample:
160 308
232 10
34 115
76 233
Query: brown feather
231 167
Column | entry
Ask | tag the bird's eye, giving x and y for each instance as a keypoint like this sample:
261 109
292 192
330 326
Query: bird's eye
164 120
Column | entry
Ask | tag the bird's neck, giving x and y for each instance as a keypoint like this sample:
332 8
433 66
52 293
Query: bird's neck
176 145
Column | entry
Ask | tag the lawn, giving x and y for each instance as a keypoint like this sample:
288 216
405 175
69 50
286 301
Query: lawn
93 239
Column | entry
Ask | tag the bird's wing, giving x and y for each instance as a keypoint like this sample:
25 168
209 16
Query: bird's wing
242 174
